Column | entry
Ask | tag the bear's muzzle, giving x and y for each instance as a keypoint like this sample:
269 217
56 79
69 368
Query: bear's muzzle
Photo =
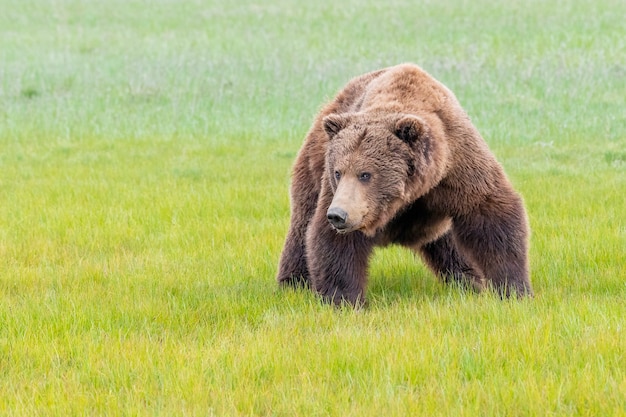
337 218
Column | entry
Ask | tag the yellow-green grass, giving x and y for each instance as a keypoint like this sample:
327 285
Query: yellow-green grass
145 150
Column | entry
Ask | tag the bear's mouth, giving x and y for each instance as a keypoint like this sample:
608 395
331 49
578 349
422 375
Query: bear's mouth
344 221
342 230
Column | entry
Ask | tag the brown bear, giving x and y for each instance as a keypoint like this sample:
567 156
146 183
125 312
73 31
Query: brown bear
394 159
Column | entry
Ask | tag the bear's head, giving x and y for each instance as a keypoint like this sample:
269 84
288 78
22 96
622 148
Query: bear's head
376 166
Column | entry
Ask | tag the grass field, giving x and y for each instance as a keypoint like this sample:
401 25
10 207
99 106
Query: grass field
145 151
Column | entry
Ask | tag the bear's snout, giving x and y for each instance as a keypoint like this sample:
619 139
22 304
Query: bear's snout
337 217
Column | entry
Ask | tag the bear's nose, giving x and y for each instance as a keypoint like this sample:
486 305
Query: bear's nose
337 217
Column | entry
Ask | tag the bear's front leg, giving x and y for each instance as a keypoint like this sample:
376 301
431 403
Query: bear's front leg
337 262
495 237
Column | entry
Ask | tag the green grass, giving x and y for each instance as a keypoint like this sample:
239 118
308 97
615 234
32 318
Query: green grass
145 150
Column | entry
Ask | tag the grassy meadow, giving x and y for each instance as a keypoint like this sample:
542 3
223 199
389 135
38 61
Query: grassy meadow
145 151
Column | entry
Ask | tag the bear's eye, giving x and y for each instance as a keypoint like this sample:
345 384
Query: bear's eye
365 176
337 175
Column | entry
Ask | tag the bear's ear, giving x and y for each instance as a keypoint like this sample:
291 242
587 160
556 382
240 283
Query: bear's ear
409 128
333 123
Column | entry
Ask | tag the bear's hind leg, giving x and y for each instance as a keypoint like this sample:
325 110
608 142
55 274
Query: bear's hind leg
443 257
495 237
292 269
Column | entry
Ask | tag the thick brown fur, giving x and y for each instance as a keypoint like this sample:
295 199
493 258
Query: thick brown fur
394 159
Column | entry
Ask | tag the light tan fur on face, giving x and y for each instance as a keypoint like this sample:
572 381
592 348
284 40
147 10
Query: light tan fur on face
351 197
